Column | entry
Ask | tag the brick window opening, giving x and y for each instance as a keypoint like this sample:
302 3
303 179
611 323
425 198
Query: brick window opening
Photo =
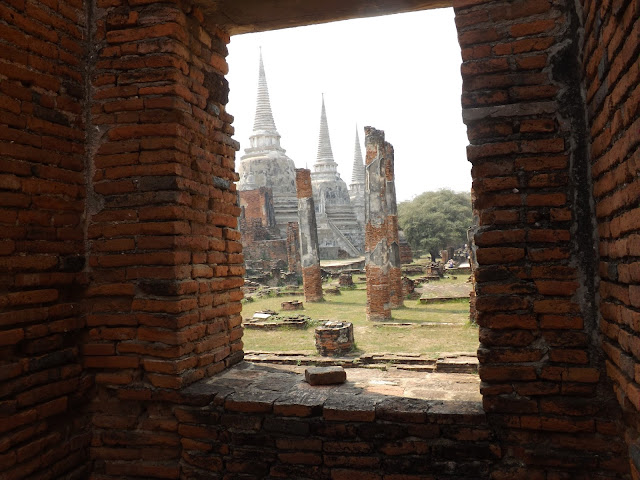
286 79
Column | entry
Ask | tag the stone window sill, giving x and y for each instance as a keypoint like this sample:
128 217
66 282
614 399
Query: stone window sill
367 395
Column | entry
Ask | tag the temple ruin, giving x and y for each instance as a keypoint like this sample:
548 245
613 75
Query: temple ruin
339 233
121 262
265 164
267 194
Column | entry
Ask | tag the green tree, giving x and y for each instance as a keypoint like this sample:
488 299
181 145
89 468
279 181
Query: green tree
436 220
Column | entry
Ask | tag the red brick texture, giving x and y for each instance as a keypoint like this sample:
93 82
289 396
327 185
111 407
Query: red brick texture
166 259
612 72
261 242
312 283
260 248
315 437
543 380
258 205
43 387
334 338
303 183
165 298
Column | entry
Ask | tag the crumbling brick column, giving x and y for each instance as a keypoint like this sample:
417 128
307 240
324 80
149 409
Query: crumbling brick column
165 257
309 253
293 248
543 379
376 227
395 265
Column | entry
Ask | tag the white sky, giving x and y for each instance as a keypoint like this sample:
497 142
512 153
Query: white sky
398 73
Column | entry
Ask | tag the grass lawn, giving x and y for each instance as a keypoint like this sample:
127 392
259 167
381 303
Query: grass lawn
433 329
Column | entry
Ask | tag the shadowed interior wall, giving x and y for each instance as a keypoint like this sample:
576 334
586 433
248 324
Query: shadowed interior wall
612 75
43 385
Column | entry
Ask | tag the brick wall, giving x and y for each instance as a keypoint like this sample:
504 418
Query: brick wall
240 432
261 240
612 75
165 255
543 380
270 253
258 204
42 253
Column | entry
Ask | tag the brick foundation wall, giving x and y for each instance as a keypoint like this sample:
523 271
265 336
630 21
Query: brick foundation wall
43 388
308 433
275 252
406 254
612 75
258 243
544 386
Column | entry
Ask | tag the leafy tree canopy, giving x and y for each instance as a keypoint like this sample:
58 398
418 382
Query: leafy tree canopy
433 221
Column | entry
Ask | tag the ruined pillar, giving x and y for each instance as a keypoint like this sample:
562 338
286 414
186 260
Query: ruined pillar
309 258
376 227
393 239
293 248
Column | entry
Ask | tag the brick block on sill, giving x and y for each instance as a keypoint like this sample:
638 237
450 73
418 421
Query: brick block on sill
325 375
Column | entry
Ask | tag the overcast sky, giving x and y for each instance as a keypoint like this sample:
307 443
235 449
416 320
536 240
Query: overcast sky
398 73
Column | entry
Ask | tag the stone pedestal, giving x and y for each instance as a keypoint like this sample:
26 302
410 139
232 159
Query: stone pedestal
345 280
334 339
292 305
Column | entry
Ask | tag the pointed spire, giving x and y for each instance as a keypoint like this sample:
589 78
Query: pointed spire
264 116
325 154
357 174
265 136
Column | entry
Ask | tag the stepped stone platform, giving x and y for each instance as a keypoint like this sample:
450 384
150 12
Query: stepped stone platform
462 363
428 300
